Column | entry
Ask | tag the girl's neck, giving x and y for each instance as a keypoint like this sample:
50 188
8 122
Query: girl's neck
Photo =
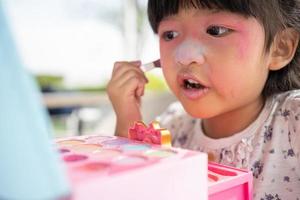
232 122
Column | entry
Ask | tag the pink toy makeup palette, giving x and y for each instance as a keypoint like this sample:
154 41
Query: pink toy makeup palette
146 167
102 167
109 167
226 182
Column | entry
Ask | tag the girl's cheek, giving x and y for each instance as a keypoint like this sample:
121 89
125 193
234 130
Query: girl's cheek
166 53
224 69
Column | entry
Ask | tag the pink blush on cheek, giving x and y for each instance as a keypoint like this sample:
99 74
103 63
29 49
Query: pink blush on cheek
250 39
75 158
240 43
243 47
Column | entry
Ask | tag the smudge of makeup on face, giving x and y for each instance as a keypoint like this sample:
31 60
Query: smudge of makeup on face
189 51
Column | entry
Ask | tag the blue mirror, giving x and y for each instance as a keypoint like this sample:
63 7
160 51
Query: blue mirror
30 167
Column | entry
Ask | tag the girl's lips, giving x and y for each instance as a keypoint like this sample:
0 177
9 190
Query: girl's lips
192 93
185 76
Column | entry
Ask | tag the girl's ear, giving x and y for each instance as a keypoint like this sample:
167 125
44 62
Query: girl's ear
283 48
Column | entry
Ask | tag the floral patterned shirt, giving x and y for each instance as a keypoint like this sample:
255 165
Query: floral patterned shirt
269 147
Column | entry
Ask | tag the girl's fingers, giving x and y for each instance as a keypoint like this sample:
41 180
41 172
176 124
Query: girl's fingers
131 90
136 63
131 74
123 67
140 91
119 73
122 64
127 84
131 86
128 81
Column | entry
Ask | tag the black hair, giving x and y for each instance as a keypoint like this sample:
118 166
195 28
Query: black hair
274 15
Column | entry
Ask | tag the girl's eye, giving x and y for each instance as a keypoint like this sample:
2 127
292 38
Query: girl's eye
218 31
169 35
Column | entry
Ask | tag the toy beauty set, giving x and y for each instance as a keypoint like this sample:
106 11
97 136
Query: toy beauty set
118 168
102 167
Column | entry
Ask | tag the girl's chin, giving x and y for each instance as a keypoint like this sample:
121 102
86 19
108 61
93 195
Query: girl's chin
197 112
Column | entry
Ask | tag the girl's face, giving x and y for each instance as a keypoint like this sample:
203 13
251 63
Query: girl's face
214 62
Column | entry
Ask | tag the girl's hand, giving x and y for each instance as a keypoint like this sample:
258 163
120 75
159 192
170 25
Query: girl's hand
125 90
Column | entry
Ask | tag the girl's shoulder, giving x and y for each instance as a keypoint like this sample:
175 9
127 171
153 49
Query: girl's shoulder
288 99
287 105
284 109
288 119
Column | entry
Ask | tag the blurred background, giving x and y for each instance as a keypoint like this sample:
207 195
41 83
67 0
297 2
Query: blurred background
69 46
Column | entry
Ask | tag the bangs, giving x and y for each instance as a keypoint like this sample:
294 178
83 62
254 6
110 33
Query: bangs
159 9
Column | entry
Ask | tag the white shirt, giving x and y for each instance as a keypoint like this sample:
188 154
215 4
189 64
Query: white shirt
269 147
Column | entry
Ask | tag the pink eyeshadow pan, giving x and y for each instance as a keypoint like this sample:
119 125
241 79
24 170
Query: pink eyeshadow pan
86 148
64 150
70 142
75 158
106 154
135 147
115 142
98 139
131 160
94 166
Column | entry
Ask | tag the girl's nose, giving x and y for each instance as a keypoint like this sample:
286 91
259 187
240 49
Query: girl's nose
188 52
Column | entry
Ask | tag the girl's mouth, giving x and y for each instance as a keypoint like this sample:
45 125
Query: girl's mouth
192 84
192 88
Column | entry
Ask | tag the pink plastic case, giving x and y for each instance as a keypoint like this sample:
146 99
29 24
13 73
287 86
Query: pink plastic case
228 183
109 167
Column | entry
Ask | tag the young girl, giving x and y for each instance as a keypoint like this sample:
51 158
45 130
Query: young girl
234 67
